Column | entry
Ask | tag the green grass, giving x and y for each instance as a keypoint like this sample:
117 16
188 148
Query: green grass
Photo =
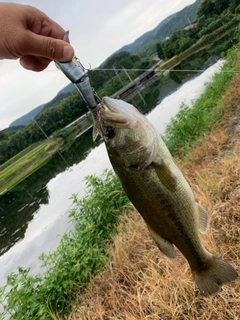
192 122
80 254
34 157
20 169
16 156
82 251
204 43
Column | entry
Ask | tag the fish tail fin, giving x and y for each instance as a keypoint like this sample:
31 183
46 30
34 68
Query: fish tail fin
210 280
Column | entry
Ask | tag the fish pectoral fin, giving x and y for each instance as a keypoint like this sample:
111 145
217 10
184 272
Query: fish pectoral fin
203 219
165 175
163 245
96 127
96 132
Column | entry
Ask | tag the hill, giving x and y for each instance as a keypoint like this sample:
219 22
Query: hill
164 29
26 118
12 130
178 21
147 37
69 88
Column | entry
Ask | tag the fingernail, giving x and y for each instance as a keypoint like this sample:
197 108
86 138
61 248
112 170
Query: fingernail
68 53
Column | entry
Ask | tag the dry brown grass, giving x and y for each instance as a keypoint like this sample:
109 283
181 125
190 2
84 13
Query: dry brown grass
138 282
54 145
25 165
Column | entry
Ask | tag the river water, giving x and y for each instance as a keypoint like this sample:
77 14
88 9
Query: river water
44 217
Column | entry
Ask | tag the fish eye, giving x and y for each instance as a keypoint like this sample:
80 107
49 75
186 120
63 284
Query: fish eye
110 133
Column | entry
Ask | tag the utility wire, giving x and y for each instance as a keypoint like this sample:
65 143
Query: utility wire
147 70
166 70
159 70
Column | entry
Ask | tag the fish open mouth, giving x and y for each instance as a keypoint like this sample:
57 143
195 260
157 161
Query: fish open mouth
111 115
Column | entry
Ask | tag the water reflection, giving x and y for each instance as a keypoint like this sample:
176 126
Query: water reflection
51 219
17 209
189 91
35 212
18 206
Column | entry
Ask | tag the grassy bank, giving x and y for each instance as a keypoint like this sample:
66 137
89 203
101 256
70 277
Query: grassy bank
193 122
138 283
204 43
13 172
81 252
34 157
25 163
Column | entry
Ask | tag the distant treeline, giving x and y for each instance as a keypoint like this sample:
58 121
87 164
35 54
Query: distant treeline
211 15
68 106
62 111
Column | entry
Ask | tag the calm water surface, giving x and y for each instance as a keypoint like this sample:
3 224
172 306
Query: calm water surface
50 220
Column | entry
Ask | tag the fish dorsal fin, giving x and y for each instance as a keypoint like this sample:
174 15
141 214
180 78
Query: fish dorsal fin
165 175
203 219
163 245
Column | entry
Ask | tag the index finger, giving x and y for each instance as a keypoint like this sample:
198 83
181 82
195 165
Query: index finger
40 23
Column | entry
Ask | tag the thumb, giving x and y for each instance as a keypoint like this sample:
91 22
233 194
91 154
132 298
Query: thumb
47 47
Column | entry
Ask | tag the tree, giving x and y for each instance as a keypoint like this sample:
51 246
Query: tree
206 8
129 61
209 8
220 6
3 136
185 43
160 51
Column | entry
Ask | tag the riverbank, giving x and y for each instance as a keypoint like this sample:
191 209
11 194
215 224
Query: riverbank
206 42
28 161
34 157
84 251
138 282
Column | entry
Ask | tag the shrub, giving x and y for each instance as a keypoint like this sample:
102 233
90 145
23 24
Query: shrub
191 123
80 254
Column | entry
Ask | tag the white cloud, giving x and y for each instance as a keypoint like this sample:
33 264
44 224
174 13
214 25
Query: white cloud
21 90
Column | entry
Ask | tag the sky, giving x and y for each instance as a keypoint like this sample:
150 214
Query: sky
97 29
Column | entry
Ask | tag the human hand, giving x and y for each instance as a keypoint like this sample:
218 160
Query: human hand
27 33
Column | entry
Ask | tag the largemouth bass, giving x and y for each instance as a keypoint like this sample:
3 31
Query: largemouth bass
160 193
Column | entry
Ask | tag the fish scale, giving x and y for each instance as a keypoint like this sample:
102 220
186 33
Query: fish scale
160 193
163 204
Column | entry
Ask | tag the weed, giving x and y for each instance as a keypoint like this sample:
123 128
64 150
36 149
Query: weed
138 282
191 123
80 254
